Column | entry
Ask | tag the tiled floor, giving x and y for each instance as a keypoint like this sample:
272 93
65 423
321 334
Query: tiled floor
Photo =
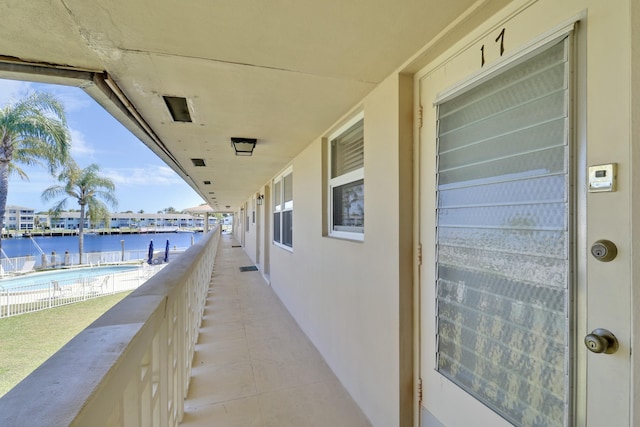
253 366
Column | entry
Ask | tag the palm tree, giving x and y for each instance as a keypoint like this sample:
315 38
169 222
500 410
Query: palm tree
34 132
99 214
87 187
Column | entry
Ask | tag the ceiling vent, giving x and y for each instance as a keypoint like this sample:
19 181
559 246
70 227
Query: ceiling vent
206 182
198 162
178 108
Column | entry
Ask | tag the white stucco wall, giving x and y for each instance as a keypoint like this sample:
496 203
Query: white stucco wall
345 294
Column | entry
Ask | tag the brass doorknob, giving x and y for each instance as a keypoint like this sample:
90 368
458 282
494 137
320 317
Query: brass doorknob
601 341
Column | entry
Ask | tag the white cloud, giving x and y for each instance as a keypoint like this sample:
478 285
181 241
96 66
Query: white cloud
79 145
71 97
151 188
142 181
149 175
28 193
12 90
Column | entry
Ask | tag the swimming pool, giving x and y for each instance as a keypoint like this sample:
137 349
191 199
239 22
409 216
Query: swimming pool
43 279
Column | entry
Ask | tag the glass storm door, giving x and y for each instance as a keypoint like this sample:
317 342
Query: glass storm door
503 254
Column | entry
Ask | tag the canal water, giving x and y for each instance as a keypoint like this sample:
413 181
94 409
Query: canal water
22 246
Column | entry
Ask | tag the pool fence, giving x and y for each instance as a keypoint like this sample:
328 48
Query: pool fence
40 295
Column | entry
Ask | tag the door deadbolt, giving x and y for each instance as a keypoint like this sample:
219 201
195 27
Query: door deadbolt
601 341
604 250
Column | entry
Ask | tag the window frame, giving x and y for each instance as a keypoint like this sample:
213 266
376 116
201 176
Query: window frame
341 180
279 206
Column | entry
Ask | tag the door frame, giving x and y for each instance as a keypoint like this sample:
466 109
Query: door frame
424 218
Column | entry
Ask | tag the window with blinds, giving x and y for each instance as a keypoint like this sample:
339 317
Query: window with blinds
347 151
283 209
277 210
346 181
503 240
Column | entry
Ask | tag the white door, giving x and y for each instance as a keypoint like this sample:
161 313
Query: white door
504 307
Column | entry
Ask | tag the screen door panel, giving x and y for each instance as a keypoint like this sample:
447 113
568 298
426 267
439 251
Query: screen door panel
503 241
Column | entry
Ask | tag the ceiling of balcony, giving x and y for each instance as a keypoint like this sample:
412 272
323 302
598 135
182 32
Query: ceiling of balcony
281 71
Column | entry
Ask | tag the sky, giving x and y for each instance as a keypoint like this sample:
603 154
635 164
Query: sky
143 181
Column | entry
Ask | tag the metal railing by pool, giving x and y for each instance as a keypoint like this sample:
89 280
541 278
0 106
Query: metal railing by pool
16 264
40 291
132 366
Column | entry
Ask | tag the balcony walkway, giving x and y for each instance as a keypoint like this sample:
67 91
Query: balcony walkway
253 366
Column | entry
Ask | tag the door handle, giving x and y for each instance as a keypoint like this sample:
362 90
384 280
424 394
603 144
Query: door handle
601 341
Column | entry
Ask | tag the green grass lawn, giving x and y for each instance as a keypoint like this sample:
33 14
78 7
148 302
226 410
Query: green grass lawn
27 340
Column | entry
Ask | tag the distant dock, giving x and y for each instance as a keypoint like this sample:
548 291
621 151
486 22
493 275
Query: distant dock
101 232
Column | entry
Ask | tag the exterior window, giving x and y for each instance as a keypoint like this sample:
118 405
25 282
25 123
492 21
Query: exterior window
283 209
346 181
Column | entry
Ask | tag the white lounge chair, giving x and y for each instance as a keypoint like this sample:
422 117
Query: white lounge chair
27 267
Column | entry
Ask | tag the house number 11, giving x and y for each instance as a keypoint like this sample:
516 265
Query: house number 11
501 39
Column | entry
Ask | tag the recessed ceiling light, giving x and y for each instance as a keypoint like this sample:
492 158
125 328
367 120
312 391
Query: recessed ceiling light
198 162
178 108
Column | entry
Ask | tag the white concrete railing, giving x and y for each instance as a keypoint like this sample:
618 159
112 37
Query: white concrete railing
132 366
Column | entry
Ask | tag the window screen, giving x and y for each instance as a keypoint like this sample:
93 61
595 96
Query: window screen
276 227
287 214
348 207
283 209
503 243
277 210
346 183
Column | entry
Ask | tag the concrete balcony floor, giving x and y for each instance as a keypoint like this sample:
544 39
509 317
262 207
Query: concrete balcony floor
253 366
